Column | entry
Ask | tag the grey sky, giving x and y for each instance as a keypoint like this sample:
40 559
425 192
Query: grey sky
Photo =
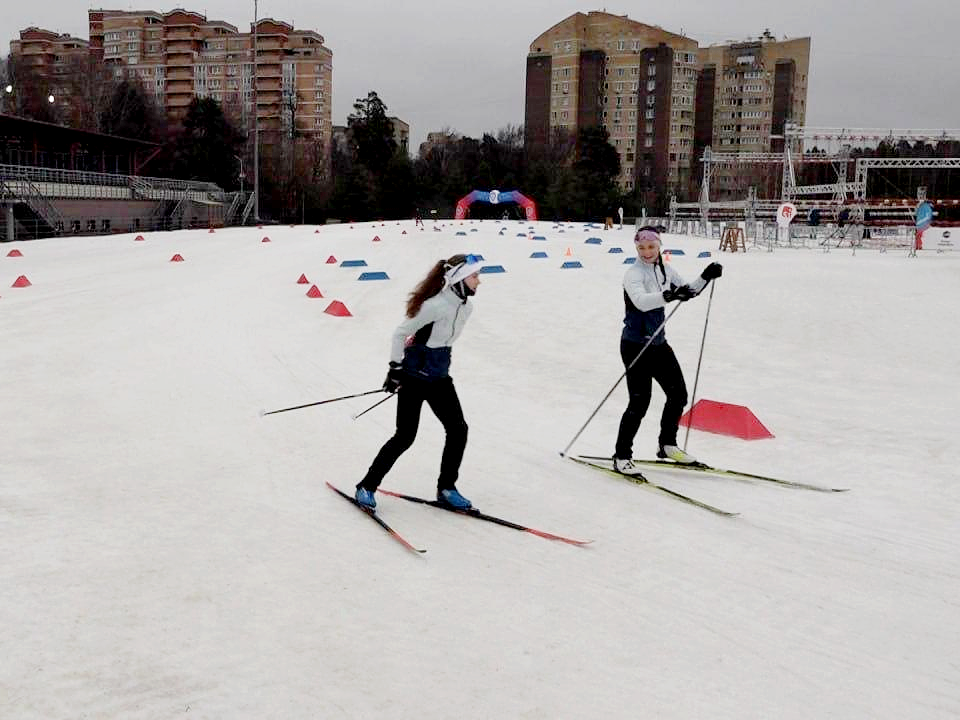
880 63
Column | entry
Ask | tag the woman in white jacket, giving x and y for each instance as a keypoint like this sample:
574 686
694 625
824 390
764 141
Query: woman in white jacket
420 352
648 285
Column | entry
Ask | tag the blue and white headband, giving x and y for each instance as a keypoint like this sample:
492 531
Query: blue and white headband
471 264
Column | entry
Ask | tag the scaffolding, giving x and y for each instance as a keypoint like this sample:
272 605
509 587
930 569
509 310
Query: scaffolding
843 201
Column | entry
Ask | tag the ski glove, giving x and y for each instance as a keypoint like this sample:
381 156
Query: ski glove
712 271
681 293
392 382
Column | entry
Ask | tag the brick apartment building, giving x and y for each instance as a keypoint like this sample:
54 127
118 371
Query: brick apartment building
179 55
662 97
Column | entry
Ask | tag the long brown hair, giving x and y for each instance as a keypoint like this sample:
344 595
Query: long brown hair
432 283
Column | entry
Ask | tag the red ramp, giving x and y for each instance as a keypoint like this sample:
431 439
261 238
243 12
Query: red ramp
725 419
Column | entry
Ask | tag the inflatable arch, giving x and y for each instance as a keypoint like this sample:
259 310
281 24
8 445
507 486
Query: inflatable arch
495 197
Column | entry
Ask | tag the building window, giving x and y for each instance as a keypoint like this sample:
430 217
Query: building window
651 70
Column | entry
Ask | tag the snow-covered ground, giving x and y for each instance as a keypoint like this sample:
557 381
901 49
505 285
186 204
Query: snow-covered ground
167 551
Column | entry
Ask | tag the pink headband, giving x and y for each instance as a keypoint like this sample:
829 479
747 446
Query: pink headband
646 235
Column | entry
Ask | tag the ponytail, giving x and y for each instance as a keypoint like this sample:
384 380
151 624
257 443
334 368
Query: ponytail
432 284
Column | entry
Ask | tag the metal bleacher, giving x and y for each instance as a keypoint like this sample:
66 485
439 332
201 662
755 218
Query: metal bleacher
34 191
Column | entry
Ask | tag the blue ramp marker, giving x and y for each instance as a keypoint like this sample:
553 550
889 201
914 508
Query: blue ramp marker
478 257
629 261
539 237
674 251
592 241
615 250
521 234
461 232
491 269
373 276
538 254
705 253
571 264
473 229
353 263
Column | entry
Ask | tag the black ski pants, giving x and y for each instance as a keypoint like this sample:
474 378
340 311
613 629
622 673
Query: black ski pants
659 363
441 397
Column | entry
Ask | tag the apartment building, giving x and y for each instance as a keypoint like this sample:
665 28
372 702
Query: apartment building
46 52
751 90
661 97
636 80
181 54
54 62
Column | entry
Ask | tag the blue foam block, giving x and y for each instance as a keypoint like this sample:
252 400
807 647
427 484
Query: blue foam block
705 253
615 250
492 269
379 275
571 264
592 241
353 263
538 254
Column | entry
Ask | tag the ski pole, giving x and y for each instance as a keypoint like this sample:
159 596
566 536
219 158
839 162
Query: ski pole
696 378
563 453
323 402
378 402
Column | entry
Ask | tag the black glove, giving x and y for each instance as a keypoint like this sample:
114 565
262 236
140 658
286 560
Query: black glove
681 293
712 271
393 380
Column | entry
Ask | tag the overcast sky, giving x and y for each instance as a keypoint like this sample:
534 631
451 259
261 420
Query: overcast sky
874 63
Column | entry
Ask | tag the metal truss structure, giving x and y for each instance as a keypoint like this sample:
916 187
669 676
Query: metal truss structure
841 194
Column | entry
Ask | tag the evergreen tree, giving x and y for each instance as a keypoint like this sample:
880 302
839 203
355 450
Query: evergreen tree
372 133
205 146
130 113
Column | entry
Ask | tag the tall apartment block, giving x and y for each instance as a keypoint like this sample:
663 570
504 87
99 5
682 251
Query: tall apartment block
180 55
749 91
661 96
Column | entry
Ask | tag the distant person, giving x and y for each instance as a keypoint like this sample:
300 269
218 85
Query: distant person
620 213
437 310
648 286
418 219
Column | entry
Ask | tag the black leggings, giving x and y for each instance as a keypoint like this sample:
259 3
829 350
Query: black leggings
442 398
657 363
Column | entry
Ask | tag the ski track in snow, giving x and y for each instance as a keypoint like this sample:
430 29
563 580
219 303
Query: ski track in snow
169 552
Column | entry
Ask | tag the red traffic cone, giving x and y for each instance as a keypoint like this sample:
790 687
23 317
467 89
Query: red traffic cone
314 292
303 280
177 258
266 239
331 260
376 238
21 282
14 253
338 309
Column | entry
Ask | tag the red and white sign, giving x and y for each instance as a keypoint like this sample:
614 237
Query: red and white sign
785 214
